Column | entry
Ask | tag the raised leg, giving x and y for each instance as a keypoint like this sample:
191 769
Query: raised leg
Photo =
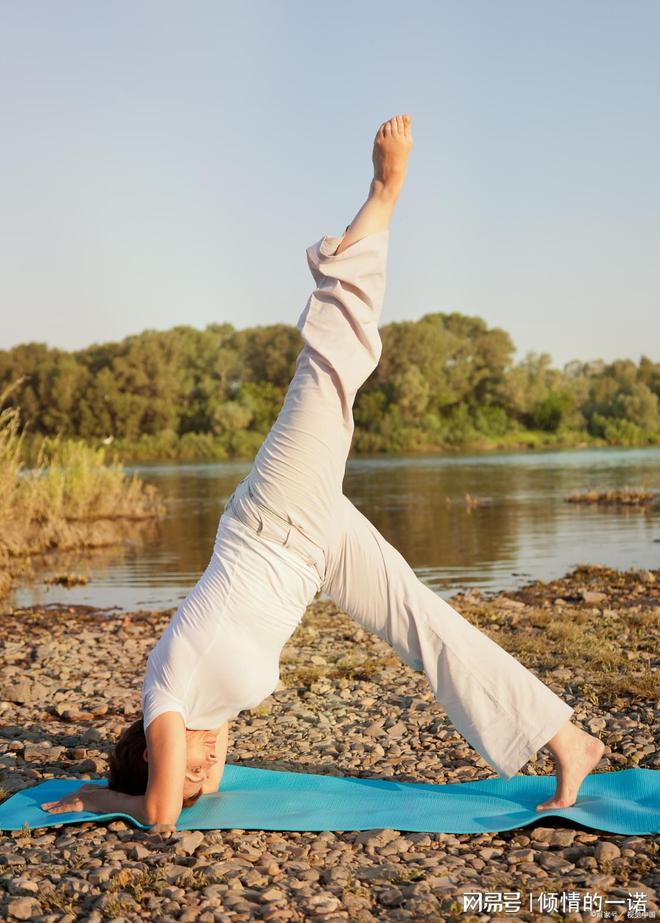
501 708
299 469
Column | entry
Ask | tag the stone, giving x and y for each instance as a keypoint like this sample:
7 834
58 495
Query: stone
22 692
593 597
563 837
189 842
91 735
606 851
379 836
554 862
322 902
139 852
520 855
338 873
62 707
235 876
23 886
41 752
487 852
543 834
272 894
375 729
90 764
391 897
23 908
397 730
504 602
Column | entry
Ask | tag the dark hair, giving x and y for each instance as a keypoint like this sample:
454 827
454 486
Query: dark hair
129 771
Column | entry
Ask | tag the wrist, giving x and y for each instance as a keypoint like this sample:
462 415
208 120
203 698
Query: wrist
133 805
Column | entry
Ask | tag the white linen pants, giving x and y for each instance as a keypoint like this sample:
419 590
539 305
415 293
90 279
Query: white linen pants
294 494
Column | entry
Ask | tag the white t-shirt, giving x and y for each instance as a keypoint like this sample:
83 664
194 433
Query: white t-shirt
220 652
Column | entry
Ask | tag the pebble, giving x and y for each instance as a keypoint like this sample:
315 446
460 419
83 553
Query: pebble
592 597
520 855
554 862
605 852
379 721
323 902
189 842
272 894
22 692
23 908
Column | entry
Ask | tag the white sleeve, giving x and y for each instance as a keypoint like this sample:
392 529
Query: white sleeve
156 701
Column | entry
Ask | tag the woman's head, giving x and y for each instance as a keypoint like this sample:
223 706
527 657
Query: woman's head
129 762
200 757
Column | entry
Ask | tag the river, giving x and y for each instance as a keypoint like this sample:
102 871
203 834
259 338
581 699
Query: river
522 528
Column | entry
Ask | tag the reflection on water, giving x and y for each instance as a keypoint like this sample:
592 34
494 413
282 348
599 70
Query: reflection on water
521 530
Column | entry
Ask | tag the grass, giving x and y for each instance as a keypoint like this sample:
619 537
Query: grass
136 883
588 644
68 580
293 675
56 899
626 496
60 502
201 446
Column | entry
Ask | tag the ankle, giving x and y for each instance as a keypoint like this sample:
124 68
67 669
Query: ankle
387 193
562 739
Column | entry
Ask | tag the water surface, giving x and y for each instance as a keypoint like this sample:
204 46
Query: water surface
523 529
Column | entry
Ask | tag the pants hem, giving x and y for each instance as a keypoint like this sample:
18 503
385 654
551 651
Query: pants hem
534 744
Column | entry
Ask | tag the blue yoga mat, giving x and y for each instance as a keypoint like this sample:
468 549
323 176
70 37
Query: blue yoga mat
626 801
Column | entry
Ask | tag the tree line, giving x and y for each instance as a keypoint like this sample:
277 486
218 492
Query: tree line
445 380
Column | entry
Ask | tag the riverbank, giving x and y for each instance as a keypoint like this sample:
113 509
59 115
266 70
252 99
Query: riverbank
346 705
72 499
206 447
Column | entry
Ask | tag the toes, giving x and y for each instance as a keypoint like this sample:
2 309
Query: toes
557 803
546 806
397 126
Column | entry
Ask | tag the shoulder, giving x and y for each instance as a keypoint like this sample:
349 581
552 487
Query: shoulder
158 702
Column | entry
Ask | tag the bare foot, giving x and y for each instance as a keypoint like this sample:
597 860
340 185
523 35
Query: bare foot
575 753
392 147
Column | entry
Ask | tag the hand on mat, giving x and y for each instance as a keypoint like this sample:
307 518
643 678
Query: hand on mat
86 798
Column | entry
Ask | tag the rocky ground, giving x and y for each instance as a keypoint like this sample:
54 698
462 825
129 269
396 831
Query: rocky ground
347 705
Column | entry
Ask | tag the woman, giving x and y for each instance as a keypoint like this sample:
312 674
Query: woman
288 531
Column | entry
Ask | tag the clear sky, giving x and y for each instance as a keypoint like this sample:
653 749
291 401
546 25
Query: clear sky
167 163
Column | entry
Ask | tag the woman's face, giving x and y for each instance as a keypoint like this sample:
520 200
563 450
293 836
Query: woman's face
201 756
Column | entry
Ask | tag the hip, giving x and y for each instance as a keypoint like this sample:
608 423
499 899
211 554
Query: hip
276 530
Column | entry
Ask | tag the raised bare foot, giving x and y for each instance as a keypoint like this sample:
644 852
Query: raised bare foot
392 147
575 753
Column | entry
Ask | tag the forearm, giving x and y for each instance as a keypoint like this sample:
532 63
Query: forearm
120 803
136 807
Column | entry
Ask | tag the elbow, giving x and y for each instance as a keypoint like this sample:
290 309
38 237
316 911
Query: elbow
160 820
161 823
